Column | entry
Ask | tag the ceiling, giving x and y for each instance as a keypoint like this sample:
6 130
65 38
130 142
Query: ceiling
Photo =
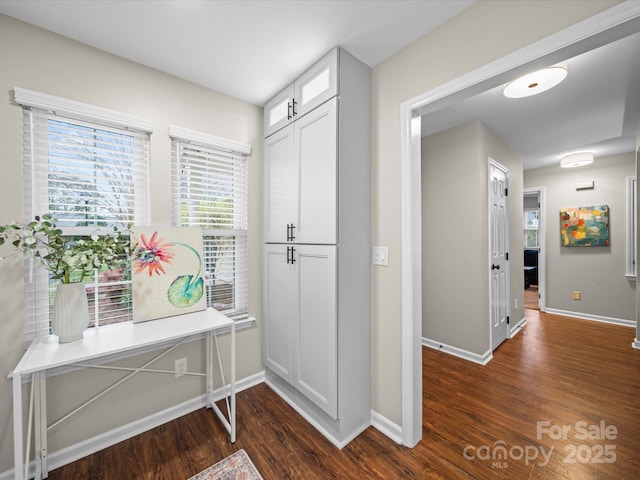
596 108
250 49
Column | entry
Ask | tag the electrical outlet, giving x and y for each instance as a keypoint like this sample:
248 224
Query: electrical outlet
180 367
577 295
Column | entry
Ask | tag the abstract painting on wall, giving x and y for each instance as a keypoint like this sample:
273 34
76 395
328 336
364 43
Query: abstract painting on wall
585 226
167 272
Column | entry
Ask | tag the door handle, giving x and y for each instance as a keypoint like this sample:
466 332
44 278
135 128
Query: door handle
495 267
290 256
294 108
289 111
291 230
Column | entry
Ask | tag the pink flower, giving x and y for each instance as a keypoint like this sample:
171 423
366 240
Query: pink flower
151 254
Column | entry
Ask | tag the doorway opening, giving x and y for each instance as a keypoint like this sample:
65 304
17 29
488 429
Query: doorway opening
617 21
531 221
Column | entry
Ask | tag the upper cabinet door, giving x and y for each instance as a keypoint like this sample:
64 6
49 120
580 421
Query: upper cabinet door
281 186
278 112
316 85
316 151
313 88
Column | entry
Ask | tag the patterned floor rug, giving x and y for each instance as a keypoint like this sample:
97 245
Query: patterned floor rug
237 466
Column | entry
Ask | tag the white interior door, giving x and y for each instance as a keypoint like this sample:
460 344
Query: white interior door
499 245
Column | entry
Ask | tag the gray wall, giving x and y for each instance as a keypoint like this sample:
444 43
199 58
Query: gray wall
597 272
38 60
455 251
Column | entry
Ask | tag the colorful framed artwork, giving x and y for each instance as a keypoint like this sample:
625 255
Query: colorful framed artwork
167 272
585 226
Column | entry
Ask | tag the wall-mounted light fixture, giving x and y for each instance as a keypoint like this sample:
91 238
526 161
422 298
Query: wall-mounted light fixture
536 82
578 159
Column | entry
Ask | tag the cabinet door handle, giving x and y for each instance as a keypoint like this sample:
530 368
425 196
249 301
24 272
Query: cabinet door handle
294 108
289 115
293 232
290 255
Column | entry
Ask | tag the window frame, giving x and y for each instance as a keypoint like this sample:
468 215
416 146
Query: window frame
526 229
236 153
39 109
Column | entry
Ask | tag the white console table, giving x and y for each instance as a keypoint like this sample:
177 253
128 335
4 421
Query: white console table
97 346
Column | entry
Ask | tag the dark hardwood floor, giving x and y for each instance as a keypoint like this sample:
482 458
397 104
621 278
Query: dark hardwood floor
556 372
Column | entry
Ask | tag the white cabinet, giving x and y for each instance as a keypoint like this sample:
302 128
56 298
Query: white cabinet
317 235
300 179
300 302
313 88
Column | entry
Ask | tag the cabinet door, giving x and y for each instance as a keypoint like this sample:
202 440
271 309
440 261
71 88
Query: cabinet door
316 85
279 309
281 185
315 343
316 154
278 112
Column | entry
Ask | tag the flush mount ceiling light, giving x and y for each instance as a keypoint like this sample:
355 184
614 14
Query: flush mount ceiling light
536 82
576 160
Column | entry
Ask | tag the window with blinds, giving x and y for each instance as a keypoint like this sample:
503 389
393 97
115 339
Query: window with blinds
210 192
531 228
89 176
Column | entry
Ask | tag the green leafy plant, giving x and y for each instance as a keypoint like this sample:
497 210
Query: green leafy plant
68 259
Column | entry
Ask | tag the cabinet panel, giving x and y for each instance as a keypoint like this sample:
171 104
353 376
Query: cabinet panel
316 153
278 112
316 85
279 308
281 177
315 346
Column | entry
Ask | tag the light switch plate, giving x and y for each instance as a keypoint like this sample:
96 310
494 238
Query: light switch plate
381 256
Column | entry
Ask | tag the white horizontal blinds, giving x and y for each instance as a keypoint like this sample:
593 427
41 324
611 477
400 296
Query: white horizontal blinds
210 192
89 176
92 173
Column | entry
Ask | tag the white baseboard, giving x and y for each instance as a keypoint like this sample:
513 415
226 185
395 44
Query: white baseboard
516 328
100 442
595 318
458 352
328 435
386 426
636 343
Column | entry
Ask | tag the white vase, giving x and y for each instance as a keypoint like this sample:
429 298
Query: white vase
70 312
